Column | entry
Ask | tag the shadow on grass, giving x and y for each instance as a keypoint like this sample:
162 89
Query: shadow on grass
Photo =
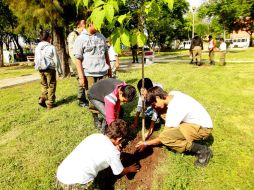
66 100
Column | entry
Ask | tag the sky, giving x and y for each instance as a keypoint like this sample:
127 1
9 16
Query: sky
195 3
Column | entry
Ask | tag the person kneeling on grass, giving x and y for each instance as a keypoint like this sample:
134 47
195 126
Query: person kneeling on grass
186 121
95 153
106 96
150 113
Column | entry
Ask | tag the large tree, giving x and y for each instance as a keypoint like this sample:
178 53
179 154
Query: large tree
233 15
55 15
125 18
7 24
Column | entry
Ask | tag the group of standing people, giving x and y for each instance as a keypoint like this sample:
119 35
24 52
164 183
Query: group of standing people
197 47
186 120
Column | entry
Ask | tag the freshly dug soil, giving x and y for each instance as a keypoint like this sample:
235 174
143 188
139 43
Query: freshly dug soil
147 159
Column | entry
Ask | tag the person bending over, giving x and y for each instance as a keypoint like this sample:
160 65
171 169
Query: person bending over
186 121
106 96
95 153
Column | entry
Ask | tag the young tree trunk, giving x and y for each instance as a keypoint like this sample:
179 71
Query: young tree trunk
59 43
1 54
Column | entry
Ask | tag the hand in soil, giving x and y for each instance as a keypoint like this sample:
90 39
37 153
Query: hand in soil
140 146
133 168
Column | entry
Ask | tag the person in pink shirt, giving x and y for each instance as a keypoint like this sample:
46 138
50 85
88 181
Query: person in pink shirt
106 96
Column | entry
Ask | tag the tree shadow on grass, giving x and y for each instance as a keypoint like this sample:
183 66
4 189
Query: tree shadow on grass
66 100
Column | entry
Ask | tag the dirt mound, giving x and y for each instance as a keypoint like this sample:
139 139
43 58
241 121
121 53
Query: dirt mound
148 160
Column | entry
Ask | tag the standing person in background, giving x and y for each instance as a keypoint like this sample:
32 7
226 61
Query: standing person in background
134 51
80 26
196 49
92 59
211 48
223 50
113 57
47 62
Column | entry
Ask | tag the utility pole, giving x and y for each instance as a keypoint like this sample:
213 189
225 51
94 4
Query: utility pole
193 23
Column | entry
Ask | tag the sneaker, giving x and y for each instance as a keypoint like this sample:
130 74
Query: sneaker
84 103
203 156
42 102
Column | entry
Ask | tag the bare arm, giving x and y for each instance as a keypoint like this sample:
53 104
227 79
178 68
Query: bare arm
117 62
135 124
108 62
142 144
81 75
130 169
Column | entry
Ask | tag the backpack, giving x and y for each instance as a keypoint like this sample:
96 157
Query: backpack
41 62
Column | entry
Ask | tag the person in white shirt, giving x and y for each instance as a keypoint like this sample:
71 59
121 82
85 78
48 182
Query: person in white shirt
211 49
150 113
223 50
113 57
186 121
95 153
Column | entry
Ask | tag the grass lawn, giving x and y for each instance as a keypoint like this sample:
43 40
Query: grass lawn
33 140
15 71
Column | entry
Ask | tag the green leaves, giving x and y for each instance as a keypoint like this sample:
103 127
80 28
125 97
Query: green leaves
170 4
121 18
85 3
141 39
109 12
125 37
97 17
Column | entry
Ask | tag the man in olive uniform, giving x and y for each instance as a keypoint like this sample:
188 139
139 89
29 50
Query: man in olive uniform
80 25
196 49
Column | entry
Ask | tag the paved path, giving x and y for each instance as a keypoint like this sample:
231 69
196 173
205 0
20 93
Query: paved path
4 83
125 65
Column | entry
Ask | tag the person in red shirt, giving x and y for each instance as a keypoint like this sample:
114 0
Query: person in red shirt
106 96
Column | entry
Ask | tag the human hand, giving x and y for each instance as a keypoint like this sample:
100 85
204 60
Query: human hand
141 146
82 82
133 168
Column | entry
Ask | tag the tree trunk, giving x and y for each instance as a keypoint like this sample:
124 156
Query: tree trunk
251 42
1 54
59 43
16 40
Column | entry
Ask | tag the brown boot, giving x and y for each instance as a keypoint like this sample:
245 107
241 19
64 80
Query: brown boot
51 105
42 102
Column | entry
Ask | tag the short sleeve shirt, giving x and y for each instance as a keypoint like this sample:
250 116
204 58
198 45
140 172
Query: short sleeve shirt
93 154
183 108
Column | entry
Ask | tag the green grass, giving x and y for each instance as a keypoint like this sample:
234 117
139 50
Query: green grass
33 140
15 71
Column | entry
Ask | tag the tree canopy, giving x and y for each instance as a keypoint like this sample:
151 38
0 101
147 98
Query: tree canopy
233 15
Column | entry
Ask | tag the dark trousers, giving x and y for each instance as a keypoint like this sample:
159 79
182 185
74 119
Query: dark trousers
100 106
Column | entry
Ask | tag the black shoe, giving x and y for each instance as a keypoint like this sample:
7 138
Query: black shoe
83 103
203 153
203 157
42 102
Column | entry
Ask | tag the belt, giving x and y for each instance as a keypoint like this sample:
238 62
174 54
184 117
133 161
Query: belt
113 61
